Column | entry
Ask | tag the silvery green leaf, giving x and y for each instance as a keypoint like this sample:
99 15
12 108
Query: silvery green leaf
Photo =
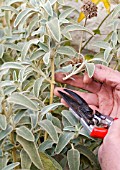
46 58
85 133
14 1
90 69
66 50
3 160
9 90
64 139
65 122
14 65
43 46
61 2
8 147
9 8
101 44
109 58
46 145
32 24
67 35
65 13
18 116
37 86
3 122
118 53
116 11
56 122
107 52
27 46
6 132
12 46
119 36
11 166
48 8
75 27
48 126
54 29
21 15
70 117
73 157
52 1
69 128
25 133
98 59
34 119
25 160
1 50
50 107
25 120
20 99
32 151
6 83
37 54
63 21
114 38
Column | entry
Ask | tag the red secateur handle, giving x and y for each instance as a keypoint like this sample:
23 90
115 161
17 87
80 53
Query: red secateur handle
99 132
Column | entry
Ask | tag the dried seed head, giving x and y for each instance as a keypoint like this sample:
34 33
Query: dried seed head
89 9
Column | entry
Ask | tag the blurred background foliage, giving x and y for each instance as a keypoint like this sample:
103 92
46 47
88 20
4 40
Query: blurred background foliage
36 130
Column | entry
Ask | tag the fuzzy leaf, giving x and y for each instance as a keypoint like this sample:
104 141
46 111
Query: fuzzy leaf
107 52
3 122
5 132
46 58
1 50
90 69
114 38
31 150
45 145
54 28
20 99
25 160
12 46
11 166
102 44
65 13
66 50
48 8
14 65
73 157
9 8
48 126
37 54
116 10
64 139
25 133
37 86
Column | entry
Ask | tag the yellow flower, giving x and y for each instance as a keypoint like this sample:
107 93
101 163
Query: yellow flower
105 2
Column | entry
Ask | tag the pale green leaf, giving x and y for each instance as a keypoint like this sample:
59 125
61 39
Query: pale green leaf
114 38
48 8
3 122
43 47
21 15
3 160
37 86
18 116
14 65
70 117
25 160
116 11
6 132
32 151
9 8
52 1
73 157
1 50
90 69
46 58
65 13
11 166
27 46
12 46
10 2
25 133
107 52
102 44
64 139
61 2
65 69
119 36
48 126
46 145
66 50
20 99
54 28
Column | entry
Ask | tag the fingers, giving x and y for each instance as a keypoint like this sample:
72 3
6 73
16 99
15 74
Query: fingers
90 98
77 81
107 75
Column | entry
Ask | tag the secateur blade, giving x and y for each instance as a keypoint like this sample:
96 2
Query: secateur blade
77 104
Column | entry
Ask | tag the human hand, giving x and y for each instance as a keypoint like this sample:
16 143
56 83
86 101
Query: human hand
103 95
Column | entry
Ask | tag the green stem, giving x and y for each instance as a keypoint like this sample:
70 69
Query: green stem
97 28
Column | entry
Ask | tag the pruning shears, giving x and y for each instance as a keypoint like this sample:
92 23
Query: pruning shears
96 123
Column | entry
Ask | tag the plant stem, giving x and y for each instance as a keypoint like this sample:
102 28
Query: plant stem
96 29
14 149
81 39
52 78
